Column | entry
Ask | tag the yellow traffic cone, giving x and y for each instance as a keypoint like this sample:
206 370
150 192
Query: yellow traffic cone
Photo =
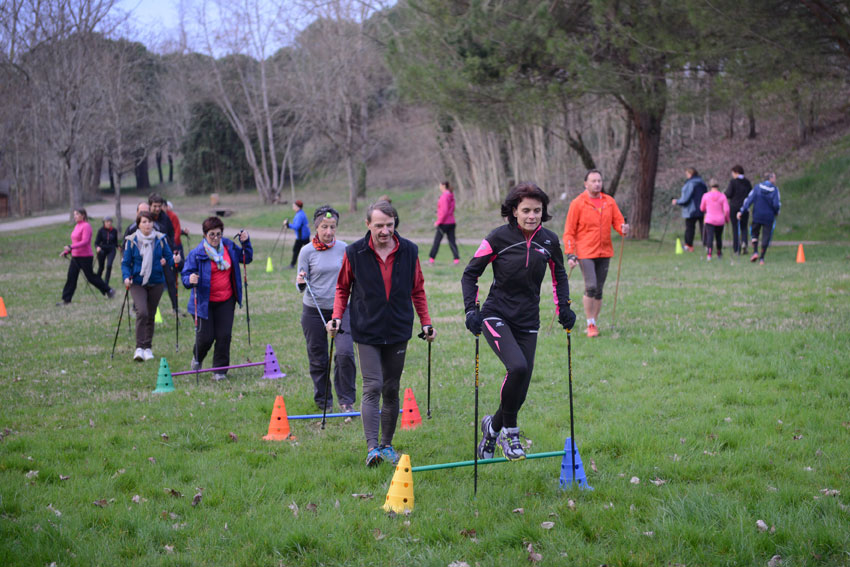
400 494
269 267
158 317
679 247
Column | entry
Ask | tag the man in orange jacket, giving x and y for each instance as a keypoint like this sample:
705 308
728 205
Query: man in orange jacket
587 241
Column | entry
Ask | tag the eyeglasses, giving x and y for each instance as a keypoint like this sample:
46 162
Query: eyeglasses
214 234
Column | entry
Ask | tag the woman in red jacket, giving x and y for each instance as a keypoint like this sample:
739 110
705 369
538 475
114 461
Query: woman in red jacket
445 222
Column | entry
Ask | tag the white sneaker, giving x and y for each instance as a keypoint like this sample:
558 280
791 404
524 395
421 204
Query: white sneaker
148 354
139 355
217 376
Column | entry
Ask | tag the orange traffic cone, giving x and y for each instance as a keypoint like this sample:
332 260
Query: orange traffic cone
279 425
2 308
410 418
801 256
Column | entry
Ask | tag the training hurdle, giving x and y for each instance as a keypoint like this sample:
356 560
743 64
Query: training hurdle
400 494
320 416
271 371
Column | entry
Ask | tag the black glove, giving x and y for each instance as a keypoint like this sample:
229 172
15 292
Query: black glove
567 318
474 321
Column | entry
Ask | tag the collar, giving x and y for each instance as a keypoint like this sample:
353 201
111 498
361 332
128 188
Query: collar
372 248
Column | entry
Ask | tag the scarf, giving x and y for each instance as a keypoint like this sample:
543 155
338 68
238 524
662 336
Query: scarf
146 247
217 256
321 246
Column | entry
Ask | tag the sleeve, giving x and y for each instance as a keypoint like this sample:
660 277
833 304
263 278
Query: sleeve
469 281
687 192
748 201
570 229
730 191
127 262
442 209
99 239
343 288
247 252
726 210
167 253
303 265
778 203
617 218
702 203
83 238
169 228
190 266
560 282
420 301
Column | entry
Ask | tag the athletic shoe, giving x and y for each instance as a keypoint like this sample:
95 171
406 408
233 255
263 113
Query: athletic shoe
761 262
373 457
388 454
457 261
708 257
592 330
754 257
431 261
195 364
139 355
346 408
148 354
217 376
688 248
111 293
62 303
510 444
487 446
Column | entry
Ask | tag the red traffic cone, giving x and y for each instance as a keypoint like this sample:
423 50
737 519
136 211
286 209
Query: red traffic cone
410 418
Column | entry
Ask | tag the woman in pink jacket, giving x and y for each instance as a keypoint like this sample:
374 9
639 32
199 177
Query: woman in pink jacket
445 222
716 208
81 259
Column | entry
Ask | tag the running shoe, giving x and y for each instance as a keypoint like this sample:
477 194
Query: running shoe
487 446
110 293
373 457
708 257
510 444
139 355
217 376
689 248
761 262
195 364
148 354
431 261
457 261
346 408
592 330
754 257
388 454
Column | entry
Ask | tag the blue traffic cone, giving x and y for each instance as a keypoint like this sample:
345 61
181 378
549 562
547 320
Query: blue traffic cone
566 469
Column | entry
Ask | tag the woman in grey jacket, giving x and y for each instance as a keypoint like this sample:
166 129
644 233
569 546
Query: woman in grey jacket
318 265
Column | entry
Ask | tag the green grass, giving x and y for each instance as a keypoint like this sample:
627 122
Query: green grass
724 379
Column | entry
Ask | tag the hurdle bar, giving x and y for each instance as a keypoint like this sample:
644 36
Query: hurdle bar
319 416
484 461
199 370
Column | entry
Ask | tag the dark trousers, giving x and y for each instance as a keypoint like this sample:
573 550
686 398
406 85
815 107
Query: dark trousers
595 272
296 248
515 348
381 367
218 329
714 233
171 283
145 300
739 232
77 265
449 231
690 230
765 237
109 256
345 370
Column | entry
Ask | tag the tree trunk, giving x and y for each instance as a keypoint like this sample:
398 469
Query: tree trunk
621 162
352 182
116 190
731 132
141 170
159 165
75 186
578 145
648 126
751 117
170 168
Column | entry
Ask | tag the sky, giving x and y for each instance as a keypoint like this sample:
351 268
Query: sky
147 13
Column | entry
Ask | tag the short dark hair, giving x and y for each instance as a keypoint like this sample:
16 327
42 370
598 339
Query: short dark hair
324 212
211 223
144 215
589 171
692 172
524 191
738 170
155 198
448 186
385 207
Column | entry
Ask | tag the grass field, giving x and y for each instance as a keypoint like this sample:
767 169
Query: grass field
722 388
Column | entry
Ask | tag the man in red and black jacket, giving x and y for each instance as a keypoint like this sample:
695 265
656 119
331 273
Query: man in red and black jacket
381 276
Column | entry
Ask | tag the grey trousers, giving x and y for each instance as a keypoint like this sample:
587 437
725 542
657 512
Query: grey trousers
345 370
145 300
381 367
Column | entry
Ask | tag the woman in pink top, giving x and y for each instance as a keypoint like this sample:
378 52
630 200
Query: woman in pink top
445 222
81 259
716 208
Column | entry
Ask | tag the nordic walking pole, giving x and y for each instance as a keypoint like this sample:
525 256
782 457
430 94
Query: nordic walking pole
282 228
245 285
617 287
663 234
328 376
425 338
475 423
89 286
285 234
197 328
572 432
120 317
176 319
555 314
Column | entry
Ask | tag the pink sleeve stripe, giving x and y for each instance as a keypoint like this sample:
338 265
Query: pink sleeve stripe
484 249
554 286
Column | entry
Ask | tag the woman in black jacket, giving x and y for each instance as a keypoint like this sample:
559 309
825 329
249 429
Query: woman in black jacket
106 242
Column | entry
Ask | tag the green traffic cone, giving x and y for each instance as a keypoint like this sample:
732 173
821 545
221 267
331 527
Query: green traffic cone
158 317
269 267
164 381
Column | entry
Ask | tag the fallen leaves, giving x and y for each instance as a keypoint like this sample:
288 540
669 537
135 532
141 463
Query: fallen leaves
294 508
762 527
775 561
458 564
233 437
798 437
138 499
197 498
547 525
174 493
658 481
364 496
64 477
571 504
471 533
54 510
378 535
830 492
519 511
119 472
164 436
168 548
634 480
593 466
151 460
32 474
533 556
102 503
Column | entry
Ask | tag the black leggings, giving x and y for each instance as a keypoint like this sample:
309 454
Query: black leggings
595 272
712 233
515 348
77 265
296 249
739 232
449 231
105 258
218 328
690 230
765 237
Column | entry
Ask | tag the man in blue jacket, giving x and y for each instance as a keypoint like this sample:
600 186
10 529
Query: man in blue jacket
692 192
301 228
765 201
